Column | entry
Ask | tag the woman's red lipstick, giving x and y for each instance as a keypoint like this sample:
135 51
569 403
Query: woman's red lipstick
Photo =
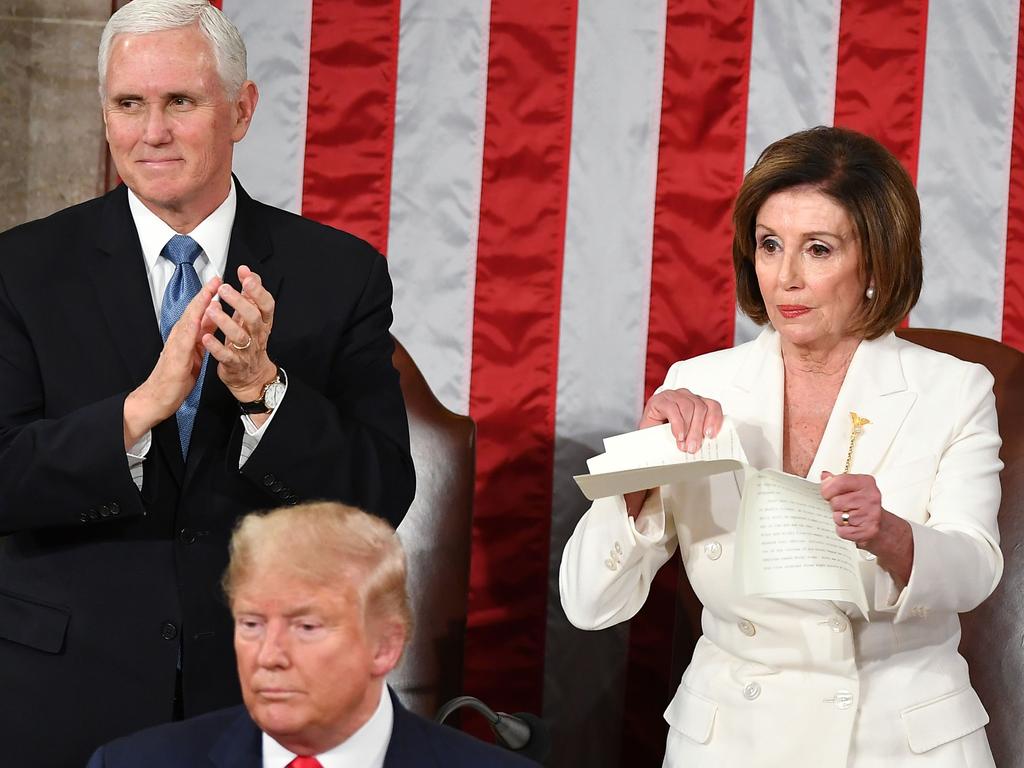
789 311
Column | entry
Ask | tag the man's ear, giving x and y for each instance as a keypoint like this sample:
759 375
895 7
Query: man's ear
388 648
244 106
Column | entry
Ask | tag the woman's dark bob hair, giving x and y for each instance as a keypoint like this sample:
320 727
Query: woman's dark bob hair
876 193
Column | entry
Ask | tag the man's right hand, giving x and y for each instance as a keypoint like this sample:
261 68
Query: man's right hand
175 372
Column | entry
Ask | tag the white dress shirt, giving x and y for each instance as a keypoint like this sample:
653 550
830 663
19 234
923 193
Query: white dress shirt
366 748
213 234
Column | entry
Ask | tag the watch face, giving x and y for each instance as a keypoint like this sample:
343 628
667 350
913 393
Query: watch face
272 398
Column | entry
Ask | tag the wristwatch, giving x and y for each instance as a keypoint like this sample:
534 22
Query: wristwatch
270 398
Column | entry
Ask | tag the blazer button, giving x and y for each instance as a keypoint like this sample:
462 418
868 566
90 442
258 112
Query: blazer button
837 624
713 550
268 479
115 509
94 515
611 565
277 487
751 691
105 511
747 627
187 536
83 516
168 631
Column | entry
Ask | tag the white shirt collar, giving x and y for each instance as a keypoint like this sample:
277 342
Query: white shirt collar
213 233
365 748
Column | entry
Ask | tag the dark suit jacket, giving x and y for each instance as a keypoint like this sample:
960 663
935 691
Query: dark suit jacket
100 585
230 739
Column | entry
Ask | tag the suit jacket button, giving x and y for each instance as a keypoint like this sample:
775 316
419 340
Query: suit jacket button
83 516
105 511
93 514
751 691
115 509
268 479
187 536
277 487
747 627
168 631
713 550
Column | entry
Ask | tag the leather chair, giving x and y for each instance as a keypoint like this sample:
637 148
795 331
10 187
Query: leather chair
436 536
993 633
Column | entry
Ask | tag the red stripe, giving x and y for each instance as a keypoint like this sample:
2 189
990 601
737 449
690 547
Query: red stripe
1013 281
700 167
515 344
880 74
880 77
353 66
218 4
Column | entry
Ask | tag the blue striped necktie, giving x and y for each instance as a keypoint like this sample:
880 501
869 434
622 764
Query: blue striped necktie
182 251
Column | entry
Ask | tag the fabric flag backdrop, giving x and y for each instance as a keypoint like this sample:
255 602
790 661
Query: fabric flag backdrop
551 181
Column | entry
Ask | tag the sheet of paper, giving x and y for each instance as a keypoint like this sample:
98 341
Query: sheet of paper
789 545
648 458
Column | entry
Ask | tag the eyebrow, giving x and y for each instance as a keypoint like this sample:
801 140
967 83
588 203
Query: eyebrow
816 234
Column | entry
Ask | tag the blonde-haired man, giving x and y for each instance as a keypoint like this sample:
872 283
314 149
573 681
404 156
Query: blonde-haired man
321 617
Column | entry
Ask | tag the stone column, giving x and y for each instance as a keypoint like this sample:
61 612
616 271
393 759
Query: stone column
52 150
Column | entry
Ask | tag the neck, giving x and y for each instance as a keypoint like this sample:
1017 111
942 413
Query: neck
819 361
183 218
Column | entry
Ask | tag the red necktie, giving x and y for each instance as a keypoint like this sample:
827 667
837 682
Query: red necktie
304 762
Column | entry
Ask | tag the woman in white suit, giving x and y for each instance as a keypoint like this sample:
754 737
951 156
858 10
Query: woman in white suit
827 254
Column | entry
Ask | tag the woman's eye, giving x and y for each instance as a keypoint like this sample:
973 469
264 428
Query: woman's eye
768 245
819 250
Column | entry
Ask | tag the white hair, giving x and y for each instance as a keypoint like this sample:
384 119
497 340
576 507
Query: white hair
140 17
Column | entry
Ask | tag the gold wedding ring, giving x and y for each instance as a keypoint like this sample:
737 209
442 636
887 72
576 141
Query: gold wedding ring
244 346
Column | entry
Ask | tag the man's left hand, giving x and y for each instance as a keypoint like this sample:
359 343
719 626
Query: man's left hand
243 364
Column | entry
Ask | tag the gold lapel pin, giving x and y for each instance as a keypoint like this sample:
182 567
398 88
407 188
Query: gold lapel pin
856 430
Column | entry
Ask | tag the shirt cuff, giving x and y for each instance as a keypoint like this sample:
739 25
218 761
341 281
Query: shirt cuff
252 434
137 455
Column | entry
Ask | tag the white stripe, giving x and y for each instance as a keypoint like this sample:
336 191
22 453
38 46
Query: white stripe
964 163
435 187
269 161
793 61
620 49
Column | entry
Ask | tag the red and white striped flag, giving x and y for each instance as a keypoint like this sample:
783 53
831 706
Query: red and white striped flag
551 181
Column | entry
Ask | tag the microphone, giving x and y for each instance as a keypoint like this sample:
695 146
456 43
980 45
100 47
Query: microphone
522 732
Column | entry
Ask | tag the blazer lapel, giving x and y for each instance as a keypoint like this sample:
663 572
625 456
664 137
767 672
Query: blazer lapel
241 746
756 402
123 296
250 245
875 389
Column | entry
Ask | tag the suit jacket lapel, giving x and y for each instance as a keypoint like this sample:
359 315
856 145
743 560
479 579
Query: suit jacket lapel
876 389
250 245
241 746
756 402
118 274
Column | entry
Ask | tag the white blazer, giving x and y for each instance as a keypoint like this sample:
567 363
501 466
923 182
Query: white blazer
802 682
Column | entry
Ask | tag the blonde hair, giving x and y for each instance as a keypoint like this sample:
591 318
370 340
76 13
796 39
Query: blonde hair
326 543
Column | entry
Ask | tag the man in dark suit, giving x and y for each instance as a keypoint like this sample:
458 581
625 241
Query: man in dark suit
322 615
138 423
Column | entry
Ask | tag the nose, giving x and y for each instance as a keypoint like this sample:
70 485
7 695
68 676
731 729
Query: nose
273 651
790 270
157 128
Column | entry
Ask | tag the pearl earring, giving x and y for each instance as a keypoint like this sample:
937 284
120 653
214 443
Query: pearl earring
870 292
